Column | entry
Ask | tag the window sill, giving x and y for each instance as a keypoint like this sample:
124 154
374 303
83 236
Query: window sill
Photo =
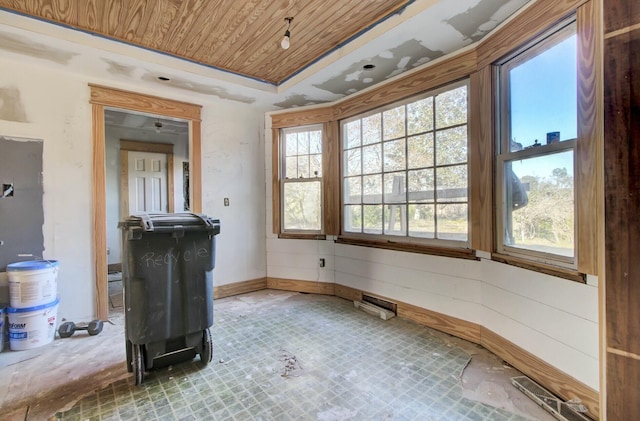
460 253
570 274
301 236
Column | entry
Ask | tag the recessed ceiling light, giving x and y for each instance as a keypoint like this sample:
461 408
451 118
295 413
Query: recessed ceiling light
369 66
164 78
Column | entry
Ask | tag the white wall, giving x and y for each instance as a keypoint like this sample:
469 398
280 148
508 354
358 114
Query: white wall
56 102
552 318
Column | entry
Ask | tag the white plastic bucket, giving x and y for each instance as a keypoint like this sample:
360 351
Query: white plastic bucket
32 283
32 327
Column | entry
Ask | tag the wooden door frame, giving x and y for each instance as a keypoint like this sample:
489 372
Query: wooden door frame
102 97
127 146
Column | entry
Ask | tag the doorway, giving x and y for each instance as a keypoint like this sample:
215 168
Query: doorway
103 98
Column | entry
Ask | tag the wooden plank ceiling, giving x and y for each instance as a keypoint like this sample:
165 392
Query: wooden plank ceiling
240 36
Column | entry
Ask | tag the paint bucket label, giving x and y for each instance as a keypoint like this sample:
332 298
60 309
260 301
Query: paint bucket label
32 327
32 283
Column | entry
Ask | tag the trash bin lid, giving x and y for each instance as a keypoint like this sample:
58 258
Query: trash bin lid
170 222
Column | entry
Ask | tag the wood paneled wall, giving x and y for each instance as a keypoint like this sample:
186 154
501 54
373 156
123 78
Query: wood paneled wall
621 59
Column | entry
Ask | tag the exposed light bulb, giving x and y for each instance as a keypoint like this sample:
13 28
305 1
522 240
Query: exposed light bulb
286 41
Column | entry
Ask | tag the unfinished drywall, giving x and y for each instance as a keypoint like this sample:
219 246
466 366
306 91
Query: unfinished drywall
57 102
15 44
11 108
21 212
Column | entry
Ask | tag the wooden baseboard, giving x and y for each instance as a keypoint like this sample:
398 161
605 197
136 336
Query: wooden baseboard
114 267
238 288
557 381
325 288
544 373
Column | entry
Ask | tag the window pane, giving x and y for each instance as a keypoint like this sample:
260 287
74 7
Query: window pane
420 116
451 145
303 166
394 187
352 134
353 190
421 221
539 205
315 142
352 162
394 123
452 183
452 221
394 155
372 189
372 219
420 151
451 107
303 143
543 97
372 159
353 218
371 129
421 186
302 206
315 165
395 220
292 167
292 144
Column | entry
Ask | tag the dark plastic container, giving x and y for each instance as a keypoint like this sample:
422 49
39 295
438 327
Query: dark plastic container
167 265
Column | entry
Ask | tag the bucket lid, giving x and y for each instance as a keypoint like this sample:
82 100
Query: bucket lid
34 308
32 265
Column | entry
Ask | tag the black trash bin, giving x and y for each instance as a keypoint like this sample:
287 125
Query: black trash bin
167 274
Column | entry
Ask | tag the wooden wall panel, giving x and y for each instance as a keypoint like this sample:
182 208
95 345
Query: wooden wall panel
621 62
624 373
622 184
446 71
331 177
621 14
589 148
481 154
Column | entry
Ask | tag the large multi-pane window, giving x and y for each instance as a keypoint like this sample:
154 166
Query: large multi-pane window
404 169
538 131
301 179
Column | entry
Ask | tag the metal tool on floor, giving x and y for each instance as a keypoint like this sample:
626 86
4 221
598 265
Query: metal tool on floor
67 329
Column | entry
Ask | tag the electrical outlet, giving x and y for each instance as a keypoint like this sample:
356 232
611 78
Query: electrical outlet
226 201
321 262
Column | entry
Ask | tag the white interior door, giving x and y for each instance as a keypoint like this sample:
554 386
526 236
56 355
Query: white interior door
147 182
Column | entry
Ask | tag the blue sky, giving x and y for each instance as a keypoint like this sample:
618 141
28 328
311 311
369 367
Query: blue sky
544 99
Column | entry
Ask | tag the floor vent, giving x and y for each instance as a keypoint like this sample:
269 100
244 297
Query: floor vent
564 411
392 307
374 310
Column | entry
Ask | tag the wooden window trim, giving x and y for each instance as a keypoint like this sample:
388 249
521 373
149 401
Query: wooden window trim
455 252
102 97
476 63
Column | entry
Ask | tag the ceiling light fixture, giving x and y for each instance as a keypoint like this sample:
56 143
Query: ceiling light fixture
158 125
286 39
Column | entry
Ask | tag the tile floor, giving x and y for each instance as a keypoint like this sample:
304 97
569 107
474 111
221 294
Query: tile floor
289 356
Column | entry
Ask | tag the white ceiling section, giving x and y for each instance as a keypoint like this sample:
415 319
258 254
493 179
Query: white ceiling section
424 31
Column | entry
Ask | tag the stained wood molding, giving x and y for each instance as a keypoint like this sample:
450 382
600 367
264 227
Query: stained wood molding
559 382
101 97
325 288
331 177
238 288
275 181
